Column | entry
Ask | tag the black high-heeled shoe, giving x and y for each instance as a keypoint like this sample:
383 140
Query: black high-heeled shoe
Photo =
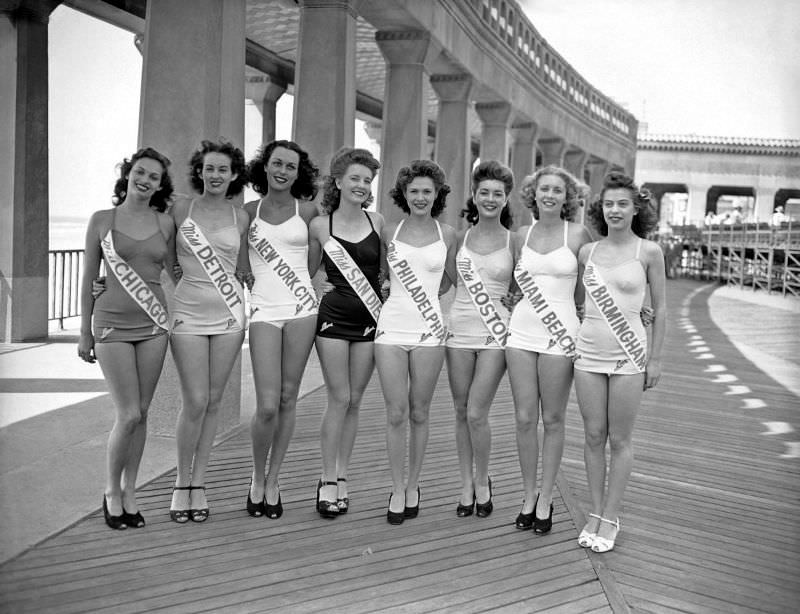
542 525
256 510
482 510
115 522
325 508
134 521
524 522
462 511
273 511
413 512
394 517
180 516
200 514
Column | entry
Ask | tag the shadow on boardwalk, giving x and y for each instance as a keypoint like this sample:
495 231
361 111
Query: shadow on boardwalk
709 522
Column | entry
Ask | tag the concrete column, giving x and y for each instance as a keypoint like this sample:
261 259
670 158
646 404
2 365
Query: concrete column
553 151
495 117
24 214
696 209
765 202
452 140
523 163
575 162
192 89
265 91
325 79
597 171
405 129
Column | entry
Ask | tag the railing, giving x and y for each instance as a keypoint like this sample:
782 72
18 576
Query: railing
65 268
753 255
515 31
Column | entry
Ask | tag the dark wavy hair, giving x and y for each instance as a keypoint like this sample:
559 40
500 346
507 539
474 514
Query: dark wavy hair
645 220
420 168
305 186
527 191
342 160
159 200
490 170
237 165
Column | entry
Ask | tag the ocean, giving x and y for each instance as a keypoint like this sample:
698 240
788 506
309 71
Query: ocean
67 232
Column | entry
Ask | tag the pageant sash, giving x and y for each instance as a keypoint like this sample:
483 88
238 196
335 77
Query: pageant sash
634 347
408 278
483 303
224 283
133 284
272 258
541 307
354 276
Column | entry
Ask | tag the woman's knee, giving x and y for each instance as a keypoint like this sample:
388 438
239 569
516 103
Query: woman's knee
418 415
461 413
553 421
478 417
618 444
526 418
129 421
396 416
595 437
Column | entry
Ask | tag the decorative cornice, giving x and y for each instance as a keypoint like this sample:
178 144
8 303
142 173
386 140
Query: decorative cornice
719 144
401 35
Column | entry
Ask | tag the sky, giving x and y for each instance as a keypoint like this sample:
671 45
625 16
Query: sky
710 67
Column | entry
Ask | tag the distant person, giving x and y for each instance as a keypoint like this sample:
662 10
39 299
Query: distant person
736 215
208 314
614 366
542 334
347 239
283 308
778 217
478 329
409 342
711 218
125 327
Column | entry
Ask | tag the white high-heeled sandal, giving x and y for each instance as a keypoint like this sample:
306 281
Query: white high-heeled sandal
604 544
586 539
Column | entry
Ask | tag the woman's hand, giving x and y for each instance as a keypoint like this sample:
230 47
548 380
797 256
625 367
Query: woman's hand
510 299
385 287
652 373
324 287
98 286
580 311
647 315
245 278
177 271
86 347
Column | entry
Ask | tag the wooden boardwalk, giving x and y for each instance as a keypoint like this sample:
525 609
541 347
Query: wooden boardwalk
710 520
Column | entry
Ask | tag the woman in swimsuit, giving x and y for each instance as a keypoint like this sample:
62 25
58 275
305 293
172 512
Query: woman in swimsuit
346 324
128 336
478 328
208 313
283 308
543 329
409 342
614 368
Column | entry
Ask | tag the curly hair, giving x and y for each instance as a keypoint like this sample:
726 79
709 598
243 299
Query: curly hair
420 168
342 160
305 186
527 191
485 171
159 200
645 220
237 165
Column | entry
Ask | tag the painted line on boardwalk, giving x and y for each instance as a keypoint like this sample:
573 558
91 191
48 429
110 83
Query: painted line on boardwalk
753 403
777 428
739 389
793 450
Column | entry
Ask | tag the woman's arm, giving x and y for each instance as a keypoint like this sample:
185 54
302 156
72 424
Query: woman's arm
316 235
243 271
91 267
450 275
582 237
656 278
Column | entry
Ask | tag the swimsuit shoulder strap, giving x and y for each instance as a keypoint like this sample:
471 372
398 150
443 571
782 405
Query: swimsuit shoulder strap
638 247
464 241
439 230
396 230
330 224
566 233
369 219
